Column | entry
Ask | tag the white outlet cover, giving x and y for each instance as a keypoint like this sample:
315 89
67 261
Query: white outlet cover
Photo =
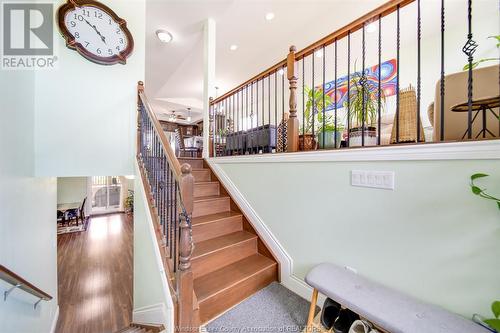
373 179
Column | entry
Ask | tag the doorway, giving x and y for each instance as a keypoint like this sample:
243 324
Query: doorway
106 194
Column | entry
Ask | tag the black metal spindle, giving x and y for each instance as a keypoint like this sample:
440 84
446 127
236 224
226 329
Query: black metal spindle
263 110
313 91
176 230
442 87
257 109
469 49
303 98
269 109
276 111
335 93
348 89
363 84
283 132
324 98
398 44
379 97
419 83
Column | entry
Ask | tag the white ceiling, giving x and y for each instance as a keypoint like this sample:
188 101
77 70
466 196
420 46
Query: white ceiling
174 72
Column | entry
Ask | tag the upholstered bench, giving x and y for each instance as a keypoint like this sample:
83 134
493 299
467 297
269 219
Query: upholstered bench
386 308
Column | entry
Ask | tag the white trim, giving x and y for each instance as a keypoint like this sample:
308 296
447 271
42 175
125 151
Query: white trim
289 280
476 150
151 314
169 308
54 320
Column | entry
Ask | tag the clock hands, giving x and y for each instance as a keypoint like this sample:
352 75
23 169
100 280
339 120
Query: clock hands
97 31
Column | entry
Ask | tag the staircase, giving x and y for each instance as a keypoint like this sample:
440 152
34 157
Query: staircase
229 261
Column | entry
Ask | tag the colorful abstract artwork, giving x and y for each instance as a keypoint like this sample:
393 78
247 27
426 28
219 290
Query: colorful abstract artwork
388 83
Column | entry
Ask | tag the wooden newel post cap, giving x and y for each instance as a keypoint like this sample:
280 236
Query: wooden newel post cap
293 48
186 169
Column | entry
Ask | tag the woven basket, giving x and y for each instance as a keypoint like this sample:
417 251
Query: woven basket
407 118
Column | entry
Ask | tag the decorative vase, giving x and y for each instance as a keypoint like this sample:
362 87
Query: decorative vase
307 142
329 139
356 134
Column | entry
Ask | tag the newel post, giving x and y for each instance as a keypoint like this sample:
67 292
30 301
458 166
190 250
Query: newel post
185 274
211 128
293 121
140 89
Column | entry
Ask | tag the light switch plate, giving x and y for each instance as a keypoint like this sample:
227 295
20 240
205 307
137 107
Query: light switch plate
373 179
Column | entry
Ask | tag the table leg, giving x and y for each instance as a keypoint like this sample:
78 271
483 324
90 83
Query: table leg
312 309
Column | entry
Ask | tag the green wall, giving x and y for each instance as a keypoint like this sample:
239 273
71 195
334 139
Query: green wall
430 237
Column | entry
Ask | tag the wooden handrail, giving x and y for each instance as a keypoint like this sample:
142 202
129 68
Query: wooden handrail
383 10
18 282
167 149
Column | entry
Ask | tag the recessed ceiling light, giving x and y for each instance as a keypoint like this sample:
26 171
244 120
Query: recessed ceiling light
372 27
233 47
269 16
164 36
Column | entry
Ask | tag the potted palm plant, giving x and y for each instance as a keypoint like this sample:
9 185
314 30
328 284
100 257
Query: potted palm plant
328 133
363 109
314 106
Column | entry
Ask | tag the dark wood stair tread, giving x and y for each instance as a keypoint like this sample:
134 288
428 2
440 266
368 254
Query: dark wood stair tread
214 217
211 284
215 244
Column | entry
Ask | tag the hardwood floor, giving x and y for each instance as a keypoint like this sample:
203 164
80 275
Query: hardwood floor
95 271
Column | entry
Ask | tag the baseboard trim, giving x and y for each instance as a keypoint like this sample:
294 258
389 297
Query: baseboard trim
151 314
289 280
54 320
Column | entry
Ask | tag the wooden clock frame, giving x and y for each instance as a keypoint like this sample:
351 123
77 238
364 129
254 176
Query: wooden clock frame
72 44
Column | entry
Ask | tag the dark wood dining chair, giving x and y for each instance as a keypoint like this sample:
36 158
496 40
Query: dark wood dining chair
81 212
183 150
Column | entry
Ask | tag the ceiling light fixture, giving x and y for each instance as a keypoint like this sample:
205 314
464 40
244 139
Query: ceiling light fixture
372 27
189 115
164 36
269 16
233 47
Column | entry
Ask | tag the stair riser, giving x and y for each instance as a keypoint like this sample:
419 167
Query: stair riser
201 175
204 190
217 304
215 229
208 207
221 258
195 164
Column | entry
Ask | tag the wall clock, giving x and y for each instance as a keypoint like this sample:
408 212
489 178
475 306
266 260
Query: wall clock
95 31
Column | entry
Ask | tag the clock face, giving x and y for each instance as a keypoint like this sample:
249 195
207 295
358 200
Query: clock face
95 32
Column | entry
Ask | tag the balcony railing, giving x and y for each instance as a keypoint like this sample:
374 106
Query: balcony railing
363 85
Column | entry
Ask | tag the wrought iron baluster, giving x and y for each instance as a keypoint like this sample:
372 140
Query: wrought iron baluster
335 93
362 81
419 37
324 98
379 97
398 44
442 85
313 92
303 99
276 111
469 49
348 89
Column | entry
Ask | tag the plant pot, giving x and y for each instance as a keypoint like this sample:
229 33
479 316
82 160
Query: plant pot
307 142
329 139
356 134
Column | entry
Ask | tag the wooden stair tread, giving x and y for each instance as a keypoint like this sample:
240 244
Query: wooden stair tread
211 245
211 284
213 217
210 198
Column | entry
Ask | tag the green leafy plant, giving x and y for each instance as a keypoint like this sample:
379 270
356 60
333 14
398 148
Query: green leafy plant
494 322
363 101
476 63
314 105
479 191
129 202
329 123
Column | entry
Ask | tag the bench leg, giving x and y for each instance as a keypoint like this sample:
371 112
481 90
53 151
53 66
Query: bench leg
312 308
